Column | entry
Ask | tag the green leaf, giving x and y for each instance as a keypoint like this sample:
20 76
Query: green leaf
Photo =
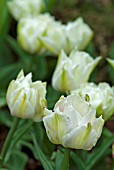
6 56
49 5
43 159
6 118
2 99
21 132
52 97
4 19
39 63
17 160
16 48
78 161
91 50
38 131
99 152
8 73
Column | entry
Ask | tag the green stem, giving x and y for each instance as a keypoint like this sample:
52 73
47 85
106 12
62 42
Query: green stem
8 140
22 131
65 161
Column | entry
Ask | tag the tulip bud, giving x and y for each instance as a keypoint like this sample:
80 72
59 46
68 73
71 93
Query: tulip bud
101 97
72 71
26 99
73 123
25 8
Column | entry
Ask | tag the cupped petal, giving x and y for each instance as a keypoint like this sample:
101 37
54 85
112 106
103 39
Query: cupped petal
77 137
95 133
22 107
56 125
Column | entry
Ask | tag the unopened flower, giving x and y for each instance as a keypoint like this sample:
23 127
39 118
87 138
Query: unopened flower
73 123
101 97
72 71
26 99
25 8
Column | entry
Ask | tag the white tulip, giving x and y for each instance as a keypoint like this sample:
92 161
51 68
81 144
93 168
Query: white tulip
26 99
25 8
79 34
73 123
72 71
54 38
30 30
101 98
66 37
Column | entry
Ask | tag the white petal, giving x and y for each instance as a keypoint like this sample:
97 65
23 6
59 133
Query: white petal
77 137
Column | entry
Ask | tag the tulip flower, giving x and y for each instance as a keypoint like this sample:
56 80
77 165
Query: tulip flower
66 37
79 34
26 99
73 123
30 30
101 98
25 8
72 71
54 38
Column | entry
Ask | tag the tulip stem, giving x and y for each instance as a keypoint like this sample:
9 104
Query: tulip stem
8 140
65 161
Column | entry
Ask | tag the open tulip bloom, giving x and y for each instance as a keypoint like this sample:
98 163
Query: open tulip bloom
72 71
26 99
101 97
73 123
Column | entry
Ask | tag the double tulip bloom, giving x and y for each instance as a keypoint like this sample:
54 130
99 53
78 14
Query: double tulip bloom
26 99
72 71
73 123
101 97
